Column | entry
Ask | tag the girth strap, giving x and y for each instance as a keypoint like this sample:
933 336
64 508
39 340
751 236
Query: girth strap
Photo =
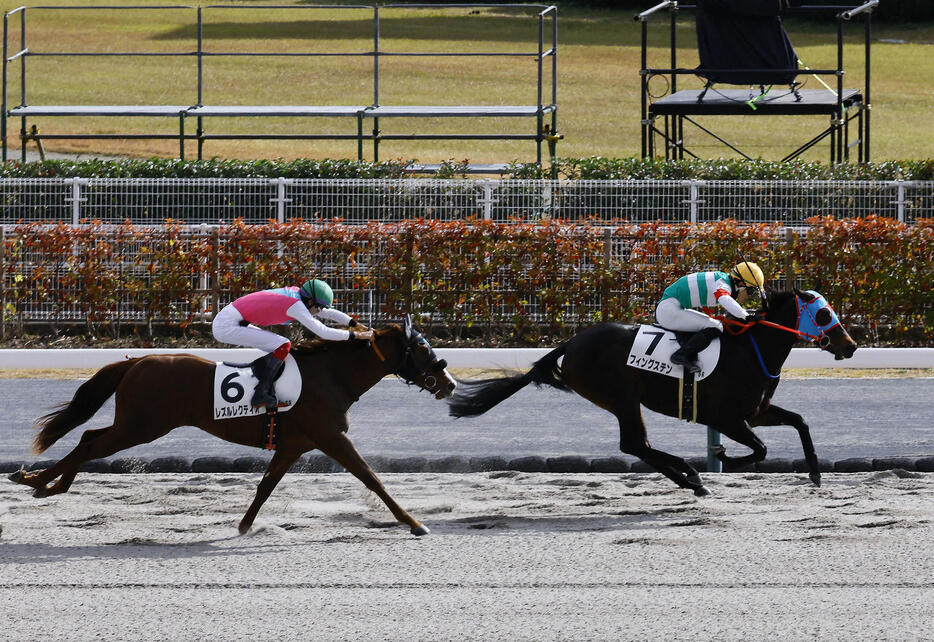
271 431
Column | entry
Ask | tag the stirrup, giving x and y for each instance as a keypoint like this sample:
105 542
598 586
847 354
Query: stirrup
679 358
263 399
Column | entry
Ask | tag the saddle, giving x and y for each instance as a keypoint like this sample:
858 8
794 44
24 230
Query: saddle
234 383
681 335
248 365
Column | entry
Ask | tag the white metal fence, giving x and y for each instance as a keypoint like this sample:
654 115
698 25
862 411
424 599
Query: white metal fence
213 200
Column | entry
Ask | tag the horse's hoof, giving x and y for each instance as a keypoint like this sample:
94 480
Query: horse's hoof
420 530
815 477
701 492
243 529
41 492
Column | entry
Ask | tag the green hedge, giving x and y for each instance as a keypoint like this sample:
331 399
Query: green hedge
573 168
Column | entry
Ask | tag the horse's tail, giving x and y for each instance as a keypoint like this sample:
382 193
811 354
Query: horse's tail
89 398
473 398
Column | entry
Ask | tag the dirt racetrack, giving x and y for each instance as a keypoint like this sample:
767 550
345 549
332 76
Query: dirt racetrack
511 556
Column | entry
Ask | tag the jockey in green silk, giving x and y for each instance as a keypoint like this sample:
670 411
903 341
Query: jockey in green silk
678 309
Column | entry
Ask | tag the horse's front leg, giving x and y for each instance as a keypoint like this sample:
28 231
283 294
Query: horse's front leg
740 432
279 464
338 446
775 416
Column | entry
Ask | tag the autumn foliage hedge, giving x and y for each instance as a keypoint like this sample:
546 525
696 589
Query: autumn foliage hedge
513 283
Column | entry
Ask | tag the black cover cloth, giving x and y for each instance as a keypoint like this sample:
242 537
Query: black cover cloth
741 35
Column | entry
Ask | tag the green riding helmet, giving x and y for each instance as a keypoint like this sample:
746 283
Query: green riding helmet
318 292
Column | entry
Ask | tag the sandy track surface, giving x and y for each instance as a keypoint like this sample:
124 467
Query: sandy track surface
511 556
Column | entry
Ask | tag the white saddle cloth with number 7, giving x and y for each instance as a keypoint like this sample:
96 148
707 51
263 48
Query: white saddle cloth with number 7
653 347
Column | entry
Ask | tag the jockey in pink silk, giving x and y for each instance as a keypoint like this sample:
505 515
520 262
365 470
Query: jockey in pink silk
243 323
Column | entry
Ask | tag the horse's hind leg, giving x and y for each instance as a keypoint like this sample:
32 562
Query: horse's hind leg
278 466
67 466
96 444
339 447
633 440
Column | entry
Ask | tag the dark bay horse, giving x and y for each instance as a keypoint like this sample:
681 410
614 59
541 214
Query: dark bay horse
735 396
157 393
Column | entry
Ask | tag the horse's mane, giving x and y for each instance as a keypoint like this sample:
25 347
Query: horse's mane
776 298
315 345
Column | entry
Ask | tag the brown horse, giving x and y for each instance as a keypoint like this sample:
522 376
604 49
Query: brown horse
157 393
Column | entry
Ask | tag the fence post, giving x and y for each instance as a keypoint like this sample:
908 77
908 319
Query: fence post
487 200
714 442
789 259
409 272
547 210
202 278
607 257
901 201
216 261
76 198
694 202
280 200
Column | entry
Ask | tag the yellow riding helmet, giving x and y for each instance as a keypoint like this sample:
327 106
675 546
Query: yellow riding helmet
749 273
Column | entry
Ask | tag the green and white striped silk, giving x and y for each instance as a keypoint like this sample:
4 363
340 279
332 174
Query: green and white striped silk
697 290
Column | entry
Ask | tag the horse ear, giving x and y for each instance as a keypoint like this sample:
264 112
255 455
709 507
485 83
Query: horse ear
807 297
407 326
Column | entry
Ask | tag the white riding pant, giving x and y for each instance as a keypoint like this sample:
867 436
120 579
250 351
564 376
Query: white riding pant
672 316
227 328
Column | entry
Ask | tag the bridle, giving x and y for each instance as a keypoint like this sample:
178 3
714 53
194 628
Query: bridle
806 313
407 362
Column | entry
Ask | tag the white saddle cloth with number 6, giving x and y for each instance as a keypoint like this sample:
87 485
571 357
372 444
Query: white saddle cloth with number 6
653 347
234 386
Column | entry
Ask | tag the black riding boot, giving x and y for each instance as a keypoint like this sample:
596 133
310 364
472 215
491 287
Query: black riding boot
266 369
687 355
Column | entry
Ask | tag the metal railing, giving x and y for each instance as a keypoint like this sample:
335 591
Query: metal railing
213 201
194 99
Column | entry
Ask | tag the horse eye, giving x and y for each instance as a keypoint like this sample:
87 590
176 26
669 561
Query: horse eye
823 317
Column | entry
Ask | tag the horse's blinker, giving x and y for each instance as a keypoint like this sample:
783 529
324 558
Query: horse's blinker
807 318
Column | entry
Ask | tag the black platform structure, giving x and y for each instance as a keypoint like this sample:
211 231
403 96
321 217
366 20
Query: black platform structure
743 42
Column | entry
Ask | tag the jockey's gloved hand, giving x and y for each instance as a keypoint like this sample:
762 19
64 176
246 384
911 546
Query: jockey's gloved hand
366 335
754 316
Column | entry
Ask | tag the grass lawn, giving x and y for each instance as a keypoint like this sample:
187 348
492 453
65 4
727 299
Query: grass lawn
598 79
